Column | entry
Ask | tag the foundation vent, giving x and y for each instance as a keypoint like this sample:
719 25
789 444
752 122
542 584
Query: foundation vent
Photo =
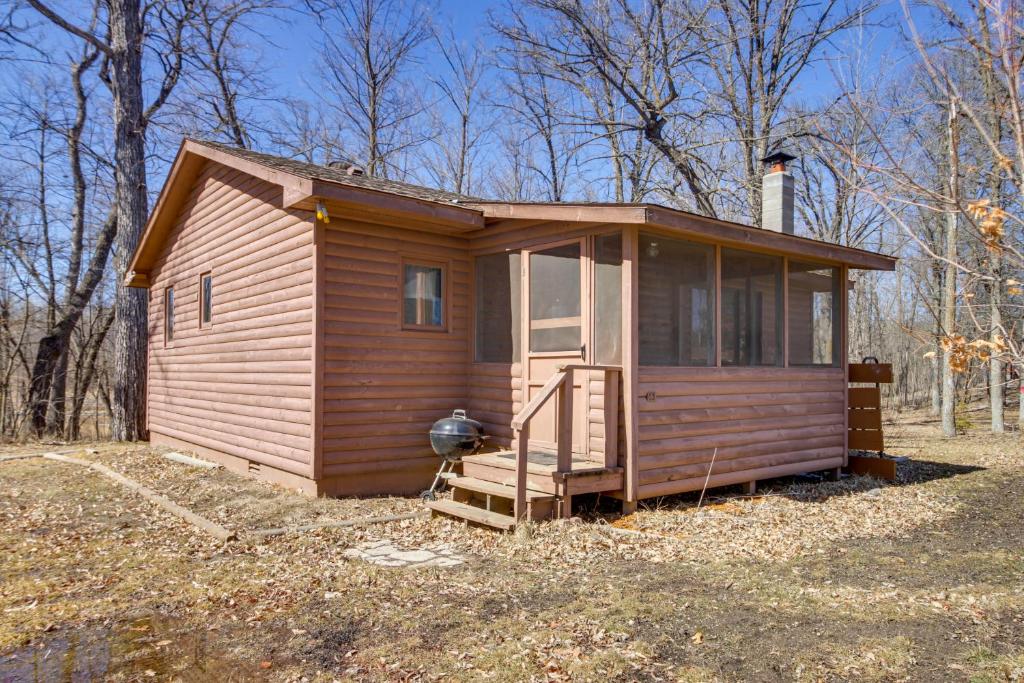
254 467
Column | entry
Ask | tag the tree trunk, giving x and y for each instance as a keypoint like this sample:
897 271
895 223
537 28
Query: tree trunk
130 333
48 354
996 389
949 280
58 393
1020 400
85 373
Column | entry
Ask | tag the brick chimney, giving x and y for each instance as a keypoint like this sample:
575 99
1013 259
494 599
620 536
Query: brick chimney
777 194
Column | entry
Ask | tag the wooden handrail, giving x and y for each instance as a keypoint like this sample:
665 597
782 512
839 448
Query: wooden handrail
603 368
531 408
561 382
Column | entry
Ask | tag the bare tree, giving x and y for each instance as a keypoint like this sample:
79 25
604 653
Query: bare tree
367 48
536 103
49 371
129 24
457 143
758 51
225 74
949 278
646 54
90 345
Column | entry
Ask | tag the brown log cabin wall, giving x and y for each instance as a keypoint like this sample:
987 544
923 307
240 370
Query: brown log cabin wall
384 386
765 422
240 386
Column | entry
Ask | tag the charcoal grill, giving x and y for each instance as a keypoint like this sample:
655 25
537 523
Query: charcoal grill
451 438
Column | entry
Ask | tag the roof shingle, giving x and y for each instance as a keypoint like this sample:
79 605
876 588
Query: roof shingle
310 171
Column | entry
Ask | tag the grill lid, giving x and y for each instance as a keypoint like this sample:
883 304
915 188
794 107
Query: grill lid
455 436
457 425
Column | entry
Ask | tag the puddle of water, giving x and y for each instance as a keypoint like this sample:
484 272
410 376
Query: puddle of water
150 648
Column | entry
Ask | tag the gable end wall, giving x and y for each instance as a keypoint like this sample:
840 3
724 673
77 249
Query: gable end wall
243 386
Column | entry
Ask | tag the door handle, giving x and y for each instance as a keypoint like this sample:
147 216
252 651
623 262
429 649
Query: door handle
583 351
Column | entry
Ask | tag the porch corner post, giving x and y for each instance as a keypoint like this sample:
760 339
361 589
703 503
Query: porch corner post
630 364
844 356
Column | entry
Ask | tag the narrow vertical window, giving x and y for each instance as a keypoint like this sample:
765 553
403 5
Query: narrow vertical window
168 314
423 296
205 299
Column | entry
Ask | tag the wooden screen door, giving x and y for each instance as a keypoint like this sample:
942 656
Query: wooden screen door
555 332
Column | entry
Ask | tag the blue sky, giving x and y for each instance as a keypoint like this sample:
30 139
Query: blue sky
299 38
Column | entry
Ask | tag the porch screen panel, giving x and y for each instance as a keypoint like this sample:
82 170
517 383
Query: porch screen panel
555 321
608 299
751 308
813 317
676 302
498 286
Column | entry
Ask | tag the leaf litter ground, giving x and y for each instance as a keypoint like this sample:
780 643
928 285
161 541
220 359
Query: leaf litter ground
808 580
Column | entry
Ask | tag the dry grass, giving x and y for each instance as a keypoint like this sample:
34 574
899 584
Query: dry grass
854 580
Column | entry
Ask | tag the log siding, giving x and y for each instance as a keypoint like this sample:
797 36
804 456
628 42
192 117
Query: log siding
241 384
384 384
765 422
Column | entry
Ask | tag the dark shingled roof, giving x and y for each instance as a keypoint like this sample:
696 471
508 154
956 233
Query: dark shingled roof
310 171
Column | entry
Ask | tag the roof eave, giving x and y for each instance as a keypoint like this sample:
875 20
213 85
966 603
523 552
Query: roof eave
734 234
297 193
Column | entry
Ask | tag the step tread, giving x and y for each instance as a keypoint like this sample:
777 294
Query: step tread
495 489
473 514
501 459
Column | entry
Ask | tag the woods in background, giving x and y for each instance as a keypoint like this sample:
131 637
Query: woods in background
908 122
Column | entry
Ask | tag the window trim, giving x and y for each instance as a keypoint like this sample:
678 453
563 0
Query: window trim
205 325
168 315
444 267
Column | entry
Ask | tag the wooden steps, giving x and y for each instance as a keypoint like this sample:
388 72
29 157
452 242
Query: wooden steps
495 499
485 492
473 514
490 488
586 476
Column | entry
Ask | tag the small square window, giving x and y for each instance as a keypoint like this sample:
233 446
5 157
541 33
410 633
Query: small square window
205 299
423 305
168 315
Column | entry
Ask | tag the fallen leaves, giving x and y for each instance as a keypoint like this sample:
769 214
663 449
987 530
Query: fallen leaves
78 551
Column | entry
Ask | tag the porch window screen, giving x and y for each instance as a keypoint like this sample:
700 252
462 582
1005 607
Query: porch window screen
751 308
676 302
423 296
608 299
555 321
498 285
813 328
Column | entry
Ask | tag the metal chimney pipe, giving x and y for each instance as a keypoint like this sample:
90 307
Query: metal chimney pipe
777 194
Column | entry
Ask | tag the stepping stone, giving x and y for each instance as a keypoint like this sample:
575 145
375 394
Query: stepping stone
386 554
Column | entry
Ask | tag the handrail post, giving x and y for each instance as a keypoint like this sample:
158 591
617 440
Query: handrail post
522 462
611 418
565 420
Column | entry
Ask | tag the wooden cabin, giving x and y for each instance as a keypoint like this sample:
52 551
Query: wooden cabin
308 324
